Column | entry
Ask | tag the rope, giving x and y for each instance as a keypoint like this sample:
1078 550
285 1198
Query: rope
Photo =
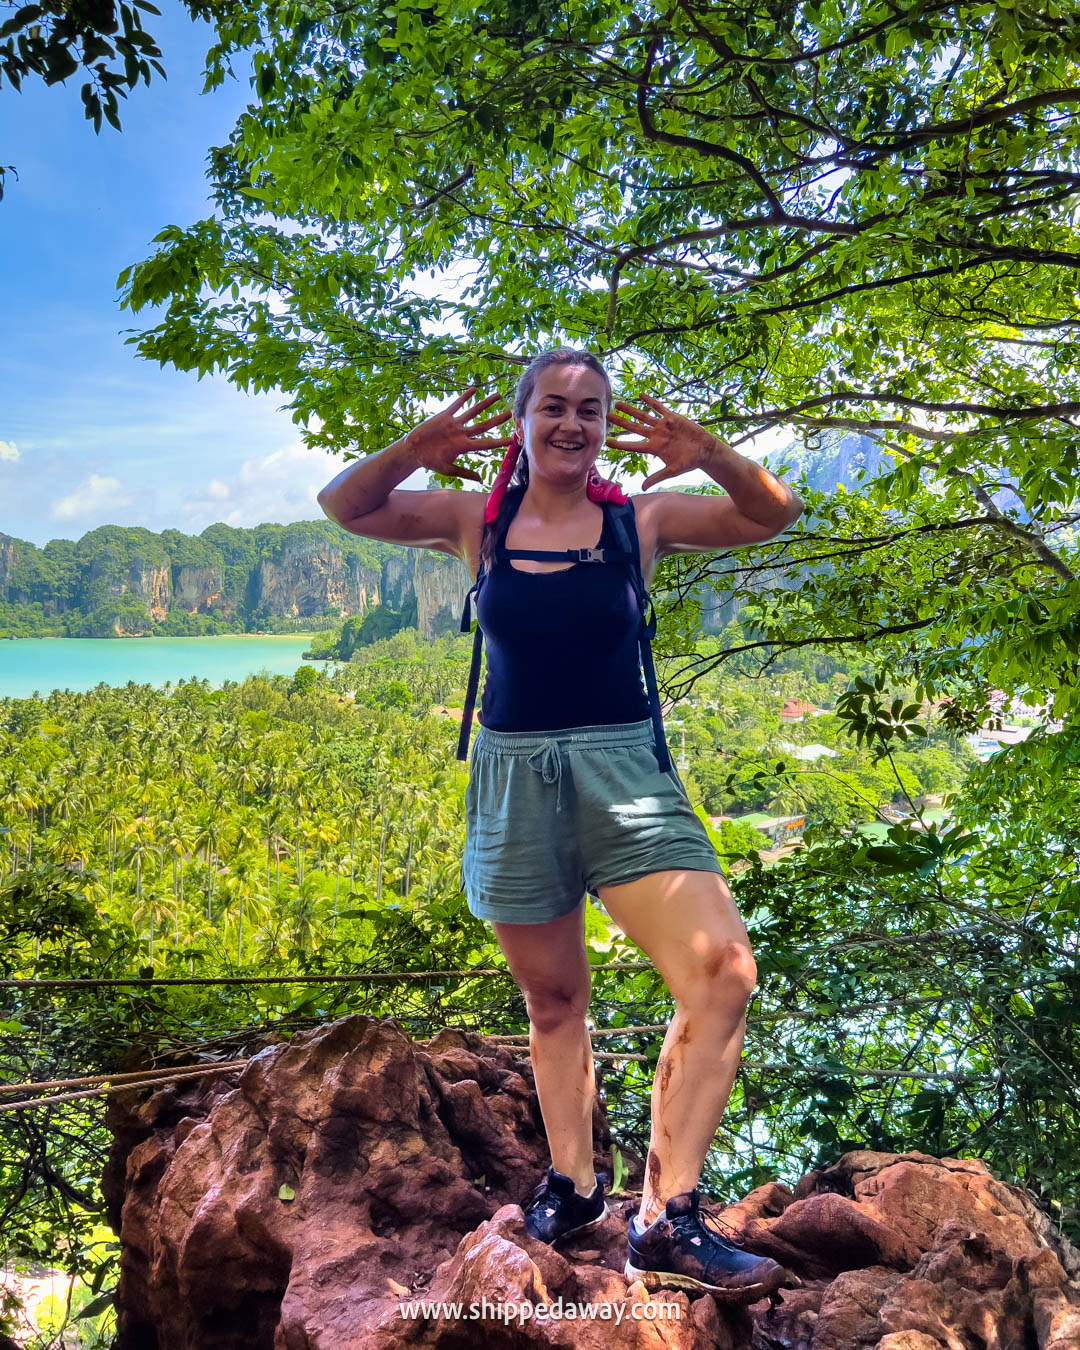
122 1087
155 1077
885 940
293 979
141 1076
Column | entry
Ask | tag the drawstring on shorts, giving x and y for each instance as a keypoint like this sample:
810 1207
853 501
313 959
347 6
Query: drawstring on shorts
547 762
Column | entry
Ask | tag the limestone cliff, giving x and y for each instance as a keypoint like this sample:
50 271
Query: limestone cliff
295 570
307 576
396 576
197 589
7 562
145 581
440 583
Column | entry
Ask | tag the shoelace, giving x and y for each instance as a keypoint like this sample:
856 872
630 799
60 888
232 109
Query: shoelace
539 1191
710 1216
553 1199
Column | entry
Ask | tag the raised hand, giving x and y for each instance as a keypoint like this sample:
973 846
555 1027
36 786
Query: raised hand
438 441
679 442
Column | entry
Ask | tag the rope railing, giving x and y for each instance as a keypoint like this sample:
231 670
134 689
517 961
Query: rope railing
135 1079
363 975
194 1071
844 944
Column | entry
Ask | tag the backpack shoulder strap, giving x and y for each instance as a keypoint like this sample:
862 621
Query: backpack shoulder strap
474 676
624 524
478 636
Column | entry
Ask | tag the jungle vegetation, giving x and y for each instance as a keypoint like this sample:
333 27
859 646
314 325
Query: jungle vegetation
915 988
806 215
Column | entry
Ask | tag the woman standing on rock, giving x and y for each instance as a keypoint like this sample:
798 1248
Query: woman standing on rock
570 790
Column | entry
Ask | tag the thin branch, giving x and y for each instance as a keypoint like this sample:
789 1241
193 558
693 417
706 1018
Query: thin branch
1031 541
652 133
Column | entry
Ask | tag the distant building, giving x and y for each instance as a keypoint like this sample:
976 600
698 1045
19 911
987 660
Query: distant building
808 752
987 741
931 705
795 709
437 710
779 829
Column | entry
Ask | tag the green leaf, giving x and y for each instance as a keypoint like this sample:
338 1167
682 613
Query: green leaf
96 1306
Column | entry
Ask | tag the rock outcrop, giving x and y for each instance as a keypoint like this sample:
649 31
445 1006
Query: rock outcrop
145 581
308 576
197 589
306 570
312 1199
397 588
440 583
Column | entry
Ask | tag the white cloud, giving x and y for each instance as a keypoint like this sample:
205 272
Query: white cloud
93 496
277 487
9 450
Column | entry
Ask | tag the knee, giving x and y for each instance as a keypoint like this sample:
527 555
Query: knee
553 1006
723 976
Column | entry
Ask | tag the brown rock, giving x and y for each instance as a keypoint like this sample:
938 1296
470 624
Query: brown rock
910 1340
303 1202
848 1314
1057 1320
503 1288
856 1237
393 1150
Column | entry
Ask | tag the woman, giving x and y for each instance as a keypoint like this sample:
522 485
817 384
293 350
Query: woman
565 793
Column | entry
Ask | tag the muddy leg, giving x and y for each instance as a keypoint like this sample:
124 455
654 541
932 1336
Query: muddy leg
688 926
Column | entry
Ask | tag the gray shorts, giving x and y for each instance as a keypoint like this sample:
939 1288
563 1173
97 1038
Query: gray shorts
550 815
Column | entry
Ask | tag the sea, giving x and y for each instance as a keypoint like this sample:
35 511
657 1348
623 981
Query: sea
39 665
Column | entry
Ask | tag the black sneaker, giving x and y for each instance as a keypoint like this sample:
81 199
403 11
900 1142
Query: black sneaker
555 1209
678 1251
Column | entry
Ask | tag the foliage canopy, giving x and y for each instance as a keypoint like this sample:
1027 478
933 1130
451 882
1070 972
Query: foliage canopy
826 217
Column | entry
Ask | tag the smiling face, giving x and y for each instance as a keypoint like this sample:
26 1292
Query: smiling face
565 423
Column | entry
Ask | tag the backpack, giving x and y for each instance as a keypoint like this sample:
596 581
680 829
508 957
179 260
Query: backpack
628 554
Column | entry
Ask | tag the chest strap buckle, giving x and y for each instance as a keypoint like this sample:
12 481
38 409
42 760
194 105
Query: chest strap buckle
589 554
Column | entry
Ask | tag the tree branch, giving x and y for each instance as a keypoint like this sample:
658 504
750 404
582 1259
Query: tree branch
1031 541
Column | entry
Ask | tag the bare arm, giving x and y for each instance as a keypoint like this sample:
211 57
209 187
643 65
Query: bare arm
758 508
365 484
362 498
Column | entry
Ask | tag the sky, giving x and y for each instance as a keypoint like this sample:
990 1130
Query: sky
90 433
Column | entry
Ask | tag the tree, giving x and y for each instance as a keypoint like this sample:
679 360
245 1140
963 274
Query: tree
764 212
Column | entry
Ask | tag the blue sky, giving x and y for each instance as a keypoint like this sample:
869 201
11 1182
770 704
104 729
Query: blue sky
90 434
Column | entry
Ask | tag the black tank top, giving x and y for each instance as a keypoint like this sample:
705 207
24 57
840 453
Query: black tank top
562 647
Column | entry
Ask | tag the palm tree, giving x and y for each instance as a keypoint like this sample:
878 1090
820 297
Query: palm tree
238 889
302 910
207 838
111 819
157 908
177 839
16 798
138 847
322 833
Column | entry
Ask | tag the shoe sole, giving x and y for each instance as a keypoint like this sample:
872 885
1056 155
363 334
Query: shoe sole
669 1279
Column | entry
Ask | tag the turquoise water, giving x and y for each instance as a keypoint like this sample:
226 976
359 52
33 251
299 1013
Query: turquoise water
44 664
